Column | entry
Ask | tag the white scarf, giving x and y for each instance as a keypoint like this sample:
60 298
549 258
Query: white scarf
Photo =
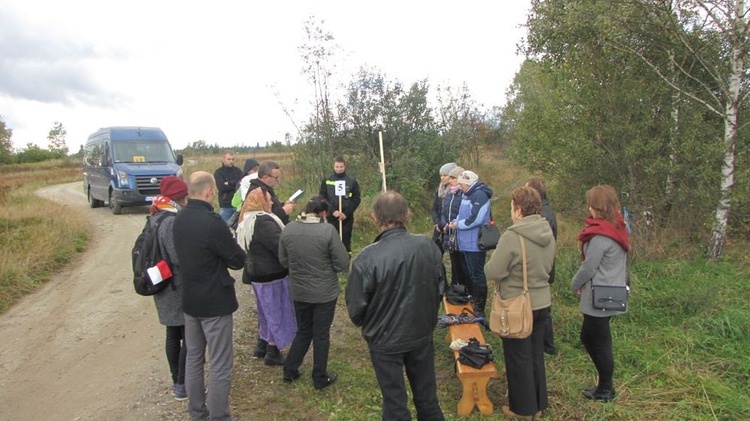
246 228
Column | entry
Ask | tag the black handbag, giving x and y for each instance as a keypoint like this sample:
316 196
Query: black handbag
489 236
611 297
475 354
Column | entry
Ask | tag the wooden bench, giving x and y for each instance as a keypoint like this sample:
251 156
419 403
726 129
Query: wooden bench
474 381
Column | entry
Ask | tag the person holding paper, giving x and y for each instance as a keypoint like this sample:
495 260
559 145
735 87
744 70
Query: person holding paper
341 212
268 177
168 302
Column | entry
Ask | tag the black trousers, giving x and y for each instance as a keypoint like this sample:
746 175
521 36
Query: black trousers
347 226
313 325
420 370
459 275
524 368
176 353
596 337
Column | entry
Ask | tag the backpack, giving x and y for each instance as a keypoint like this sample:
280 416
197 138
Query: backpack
147 255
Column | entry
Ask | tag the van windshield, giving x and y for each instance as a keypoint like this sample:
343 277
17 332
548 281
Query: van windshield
142 151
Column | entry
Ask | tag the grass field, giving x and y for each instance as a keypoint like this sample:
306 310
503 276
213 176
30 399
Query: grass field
682 351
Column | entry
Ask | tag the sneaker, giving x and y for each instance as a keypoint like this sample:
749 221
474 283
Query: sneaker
179 392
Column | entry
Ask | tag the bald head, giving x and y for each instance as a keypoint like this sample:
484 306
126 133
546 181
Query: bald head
201 186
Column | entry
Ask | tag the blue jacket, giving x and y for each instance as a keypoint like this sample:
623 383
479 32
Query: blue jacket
473 213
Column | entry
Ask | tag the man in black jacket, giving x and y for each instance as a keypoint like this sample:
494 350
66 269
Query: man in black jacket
349 201
393 293
227 178
206 249
269 173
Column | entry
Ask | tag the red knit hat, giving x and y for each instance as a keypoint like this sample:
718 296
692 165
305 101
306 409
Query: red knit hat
173 187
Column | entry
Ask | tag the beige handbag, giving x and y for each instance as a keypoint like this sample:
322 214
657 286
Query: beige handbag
513 318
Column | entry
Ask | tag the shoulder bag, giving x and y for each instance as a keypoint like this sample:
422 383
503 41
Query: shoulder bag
489 235
513 318
611 297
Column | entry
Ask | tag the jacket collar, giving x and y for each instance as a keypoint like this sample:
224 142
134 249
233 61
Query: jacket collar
390 232
197 203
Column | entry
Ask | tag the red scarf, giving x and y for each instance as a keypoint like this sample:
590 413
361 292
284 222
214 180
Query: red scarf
596 226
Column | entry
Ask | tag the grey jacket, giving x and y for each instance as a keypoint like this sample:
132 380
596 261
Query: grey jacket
606 264
505 266
169 300
314 253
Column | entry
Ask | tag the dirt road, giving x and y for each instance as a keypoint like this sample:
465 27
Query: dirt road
86 347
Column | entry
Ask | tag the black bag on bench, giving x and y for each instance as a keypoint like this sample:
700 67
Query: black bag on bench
475 355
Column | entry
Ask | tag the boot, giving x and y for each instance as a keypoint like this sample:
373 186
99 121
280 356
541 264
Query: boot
260 349
274 356
480 299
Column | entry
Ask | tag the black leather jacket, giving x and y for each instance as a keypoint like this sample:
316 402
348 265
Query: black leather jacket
394 291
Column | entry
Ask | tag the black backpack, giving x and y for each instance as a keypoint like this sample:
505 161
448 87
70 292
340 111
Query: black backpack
147 253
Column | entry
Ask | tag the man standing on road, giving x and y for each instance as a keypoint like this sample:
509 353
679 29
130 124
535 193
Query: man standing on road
350 201
227 176
393 293
206 250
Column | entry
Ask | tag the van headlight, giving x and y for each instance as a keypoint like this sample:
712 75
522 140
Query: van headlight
123 177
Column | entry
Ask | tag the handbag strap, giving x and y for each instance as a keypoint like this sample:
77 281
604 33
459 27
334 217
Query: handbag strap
525 268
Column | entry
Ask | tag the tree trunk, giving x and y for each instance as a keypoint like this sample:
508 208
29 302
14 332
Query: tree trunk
721 215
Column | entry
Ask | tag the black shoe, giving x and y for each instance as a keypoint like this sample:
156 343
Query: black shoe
288 378
260 349
550 350
329 381
273 356
595 394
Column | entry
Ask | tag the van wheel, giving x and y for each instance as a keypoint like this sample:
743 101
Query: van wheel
116 207
93 203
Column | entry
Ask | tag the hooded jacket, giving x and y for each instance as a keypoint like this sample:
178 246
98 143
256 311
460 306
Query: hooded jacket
394 290
505 267
472 214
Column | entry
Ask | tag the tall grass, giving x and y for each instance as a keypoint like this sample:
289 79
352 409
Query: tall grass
37 237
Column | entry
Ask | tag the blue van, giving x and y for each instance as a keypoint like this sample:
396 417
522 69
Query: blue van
123 166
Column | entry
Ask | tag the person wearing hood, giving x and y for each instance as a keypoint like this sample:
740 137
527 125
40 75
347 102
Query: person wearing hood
349 203
251 173
474 212
524 358
173 197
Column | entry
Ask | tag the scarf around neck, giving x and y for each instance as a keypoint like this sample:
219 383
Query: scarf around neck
596 226
163 203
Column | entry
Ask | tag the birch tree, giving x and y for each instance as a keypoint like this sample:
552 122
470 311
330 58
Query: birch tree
718 80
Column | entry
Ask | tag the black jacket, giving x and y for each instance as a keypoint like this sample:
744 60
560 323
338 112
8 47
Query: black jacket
276 206
394 291
350 201
205 249
549 215
230 175
262 264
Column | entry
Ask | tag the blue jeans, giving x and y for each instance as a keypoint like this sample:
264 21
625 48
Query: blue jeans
226 213
313 325
474 261
420 370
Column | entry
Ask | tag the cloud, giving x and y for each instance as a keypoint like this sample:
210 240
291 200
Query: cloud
37 65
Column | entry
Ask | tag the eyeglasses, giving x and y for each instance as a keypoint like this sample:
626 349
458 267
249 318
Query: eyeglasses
275 177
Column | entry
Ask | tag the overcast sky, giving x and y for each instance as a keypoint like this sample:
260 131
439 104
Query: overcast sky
216 71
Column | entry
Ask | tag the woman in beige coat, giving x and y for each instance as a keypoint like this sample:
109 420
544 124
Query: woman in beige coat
524 358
